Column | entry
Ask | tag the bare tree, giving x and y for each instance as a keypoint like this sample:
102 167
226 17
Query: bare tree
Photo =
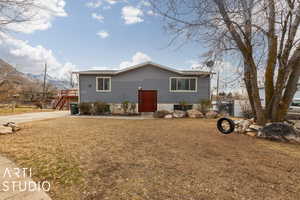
262 33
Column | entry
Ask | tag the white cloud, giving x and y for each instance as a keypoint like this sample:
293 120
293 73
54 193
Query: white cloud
136 59
144 3
195 64
93 4
106 7
113 1
132 15
151 13
41 16
98 17
103 34
31 59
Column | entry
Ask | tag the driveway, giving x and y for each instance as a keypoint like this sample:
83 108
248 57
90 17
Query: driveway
28 117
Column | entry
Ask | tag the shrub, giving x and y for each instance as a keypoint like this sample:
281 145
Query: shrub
205 105
85 108
101 108
125 106
38 104
132 107
161 113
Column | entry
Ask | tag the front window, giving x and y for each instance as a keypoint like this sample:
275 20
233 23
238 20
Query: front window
183 84
103 84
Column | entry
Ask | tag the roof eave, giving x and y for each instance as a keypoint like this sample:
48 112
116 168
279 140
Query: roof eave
93 73
187 73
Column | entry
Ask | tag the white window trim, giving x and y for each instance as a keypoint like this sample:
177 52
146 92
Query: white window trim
97 78
196 84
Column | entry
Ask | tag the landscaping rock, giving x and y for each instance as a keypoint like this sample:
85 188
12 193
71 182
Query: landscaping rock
252 120
255 127
242 126
194 114
179 114
280 131
169 116
251 133
211 115
5 130
246 125
224 114
297 124
12 125
161 113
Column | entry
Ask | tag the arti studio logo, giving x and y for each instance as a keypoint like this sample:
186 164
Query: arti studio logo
19 179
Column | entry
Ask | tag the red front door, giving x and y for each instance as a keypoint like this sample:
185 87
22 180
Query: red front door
147 100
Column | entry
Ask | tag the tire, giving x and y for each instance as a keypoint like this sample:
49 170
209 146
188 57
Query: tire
221 129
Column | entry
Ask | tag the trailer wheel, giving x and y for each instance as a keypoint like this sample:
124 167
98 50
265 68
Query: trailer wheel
225 125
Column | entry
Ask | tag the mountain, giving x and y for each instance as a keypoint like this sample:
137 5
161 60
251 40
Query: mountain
59 84
8 72
14 83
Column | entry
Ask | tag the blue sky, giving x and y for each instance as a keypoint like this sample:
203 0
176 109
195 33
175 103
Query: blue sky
97 34
130 34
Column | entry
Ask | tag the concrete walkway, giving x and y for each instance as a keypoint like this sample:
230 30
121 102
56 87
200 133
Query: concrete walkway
17 186
28 117
114 117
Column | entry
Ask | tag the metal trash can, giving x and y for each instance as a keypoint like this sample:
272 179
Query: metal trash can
74 108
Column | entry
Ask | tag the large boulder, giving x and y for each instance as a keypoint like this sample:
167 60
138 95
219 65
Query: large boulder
194 113
179 114
251 133
169 116
255 127
12 125
211 115
280 132
5 130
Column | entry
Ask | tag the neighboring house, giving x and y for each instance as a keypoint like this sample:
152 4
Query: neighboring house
262 94
151 86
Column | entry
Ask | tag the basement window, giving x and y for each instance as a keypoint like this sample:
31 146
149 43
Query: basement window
183 108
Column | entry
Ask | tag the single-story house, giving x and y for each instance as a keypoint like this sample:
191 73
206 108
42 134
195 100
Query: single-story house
149 85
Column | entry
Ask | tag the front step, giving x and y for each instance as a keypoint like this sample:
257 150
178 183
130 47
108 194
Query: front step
147 114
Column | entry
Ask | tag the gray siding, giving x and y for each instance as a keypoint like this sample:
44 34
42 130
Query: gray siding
124 87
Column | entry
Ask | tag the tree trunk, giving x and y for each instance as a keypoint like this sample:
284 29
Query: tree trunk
272 58
291 86
260 115
247 78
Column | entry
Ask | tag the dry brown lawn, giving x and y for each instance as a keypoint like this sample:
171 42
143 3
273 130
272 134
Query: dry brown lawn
153 160
9 111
